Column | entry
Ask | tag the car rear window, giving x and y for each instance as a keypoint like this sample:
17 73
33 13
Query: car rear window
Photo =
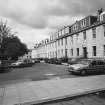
85 62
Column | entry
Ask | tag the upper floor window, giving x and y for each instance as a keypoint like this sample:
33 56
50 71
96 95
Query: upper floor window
62 41
94 32
66 40
84 35
77 36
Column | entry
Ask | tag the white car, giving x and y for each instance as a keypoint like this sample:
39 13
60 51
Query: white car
89 66
16 63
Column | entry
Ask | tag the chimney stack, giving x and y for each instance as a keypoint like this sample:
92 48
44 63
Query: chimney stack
99 11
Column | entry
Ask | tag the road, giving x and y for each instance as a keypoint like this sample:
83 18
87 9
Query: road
43 71
39 71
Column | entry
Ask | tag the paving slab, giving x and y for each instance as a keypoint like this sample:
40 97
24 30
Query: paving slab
34 92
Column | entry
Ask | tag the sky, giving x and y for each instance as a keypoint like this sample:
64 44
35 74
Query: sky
35 20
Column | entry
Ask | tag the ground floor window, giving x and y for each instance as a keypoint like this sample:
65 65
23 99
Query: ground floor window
62 52
71 52
94 50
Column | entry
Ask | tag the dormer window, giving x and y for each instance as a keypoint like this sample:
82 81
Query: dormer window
69 29
94 32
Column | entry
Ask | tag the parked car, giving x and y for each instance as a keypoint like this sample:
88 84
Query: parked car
17 63
52 60
74 60
37 61
58 61
46 60
87 66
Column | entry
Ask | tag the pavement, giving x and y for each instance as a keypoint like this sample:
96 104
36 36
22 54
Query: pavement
35 92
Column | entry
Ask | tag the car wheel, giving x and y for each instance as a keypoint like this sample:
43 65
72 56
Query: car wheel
83 72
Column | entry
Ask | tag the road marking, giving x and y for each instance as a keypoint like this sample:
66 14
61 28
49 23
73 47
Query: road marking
49 74
52 76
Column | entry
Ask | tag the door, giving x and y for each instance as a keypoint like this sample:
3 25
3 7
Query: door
85 52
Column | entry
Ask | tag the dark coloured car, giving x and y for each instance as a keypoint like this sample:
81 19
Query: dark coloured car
37 61
87 66
58 61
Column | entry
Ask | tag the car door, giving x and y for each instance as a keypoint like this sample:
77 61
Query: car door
100 66
92 67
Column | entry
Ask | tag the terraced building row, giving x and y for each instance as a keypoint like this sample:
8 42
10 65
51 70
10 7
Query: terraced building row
85 37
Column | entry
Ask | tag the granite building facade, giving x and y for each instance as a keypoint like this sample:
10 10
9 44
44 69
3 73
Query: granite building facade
84 38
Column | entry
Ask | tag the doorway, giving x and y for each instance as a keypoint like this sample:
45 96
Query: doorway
85 52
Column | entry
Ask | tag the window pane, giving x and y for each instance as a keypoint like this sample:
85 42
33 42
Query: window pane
62 41
84 35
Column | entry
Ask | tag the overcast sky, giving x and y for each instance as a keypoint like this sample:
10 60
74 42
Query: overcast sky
35 20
